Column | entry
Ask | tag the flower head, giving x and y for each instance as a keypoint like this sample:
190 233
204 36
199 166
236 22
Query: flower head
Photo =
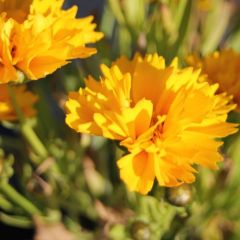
166 118
43 39
204 5
25 100
223 68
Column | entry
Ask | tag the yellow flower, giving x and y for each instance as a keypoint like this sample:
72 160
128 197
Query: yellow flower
223 68
46 39
7 70
24 99
204 5
166 118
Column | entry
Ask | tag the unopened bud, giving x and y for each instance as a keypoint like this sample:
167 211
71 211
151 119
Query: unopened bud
180 196
140 231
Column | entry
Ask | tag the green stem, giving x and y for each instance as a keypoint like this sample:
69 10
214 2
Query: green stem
5 204
180 12
16 221
218 22
234 150
26 128
33 140
182 29
18 199
116 9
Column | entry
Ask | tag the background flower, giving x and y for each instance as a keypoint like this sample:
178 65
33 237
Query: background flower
45 40
24 98
223 68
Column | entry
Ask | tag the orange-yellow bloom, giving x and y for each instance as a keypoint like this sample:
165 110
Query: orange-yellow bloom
204 5
166 118
42 41
24 99
223 68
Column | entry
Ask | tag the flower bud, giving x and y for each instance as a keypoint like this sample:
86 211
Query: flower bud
179 196
140 231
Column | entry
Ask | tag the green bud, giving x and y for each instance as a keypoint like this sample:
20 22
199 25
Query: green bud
140 231
21 78
179 196
6 167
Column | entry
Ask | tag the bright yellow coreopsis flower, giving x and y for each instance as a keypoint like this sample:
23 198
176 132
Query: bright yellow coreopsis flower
204 5
25 100
166 118
41 37
223 68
